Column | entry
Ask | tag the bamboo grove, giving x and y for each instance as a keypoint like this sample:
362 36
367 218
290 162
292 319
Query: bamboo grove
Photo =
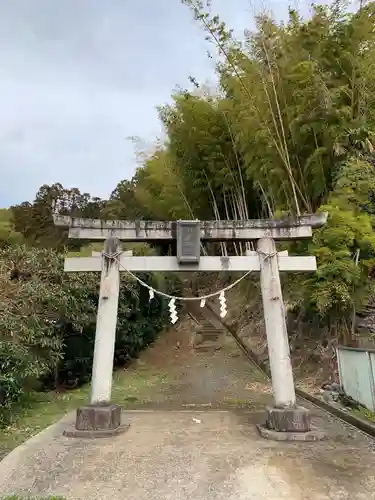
289 130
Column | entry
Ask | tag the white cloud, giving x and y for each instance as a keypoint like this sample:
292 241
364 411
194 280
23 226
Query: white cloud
79 76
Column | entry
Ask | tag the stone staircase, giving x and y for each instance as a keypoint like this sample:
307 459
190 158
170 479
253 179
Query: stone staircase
211 334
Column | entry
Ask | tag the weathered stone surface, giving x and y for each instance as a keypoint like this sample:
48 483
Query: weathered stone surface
312 220
312 435
97 229
98 417
103 433
288 419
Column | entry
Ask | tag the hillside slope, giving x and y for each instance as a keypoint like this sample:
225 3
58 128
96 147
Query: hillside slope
313 356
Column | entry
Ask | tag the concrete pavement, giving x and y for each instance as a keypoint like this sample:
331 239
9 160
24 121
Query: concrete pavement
174 450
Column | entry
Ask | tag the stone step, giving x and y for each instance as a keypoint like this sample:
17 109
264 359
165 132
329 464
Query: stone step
211 328
208 345
211 331
209 336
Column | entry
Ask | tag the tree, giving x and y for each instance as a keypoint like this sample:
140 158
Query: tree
290 131
202 149
35 220
7 235
123 203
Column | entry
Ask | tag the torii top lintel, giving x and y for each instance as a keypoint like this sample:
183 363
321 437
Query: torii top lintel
223 230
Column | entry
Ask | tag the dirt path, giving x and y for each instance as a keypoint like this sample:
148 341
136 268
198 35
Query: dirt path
177 451
220 378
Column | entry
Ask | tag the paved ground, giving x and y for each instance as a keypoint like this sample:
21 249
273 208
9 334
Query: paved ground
176 451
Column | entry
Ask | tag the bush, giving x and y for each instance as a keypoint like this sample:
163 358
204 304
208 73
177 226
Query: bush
14 370
139 320
39 300
345 252
48 331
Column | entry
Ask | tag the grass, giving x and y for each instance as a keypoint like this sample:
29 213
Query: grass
238 403
365 414
44 409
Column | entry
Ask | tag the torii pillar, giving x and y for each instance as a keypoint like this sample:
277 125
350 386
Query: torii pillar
102 418
285 420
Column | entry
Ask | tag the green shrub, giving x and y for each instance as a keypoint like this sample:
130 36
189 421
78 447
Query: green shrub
17 373
345 252
48 332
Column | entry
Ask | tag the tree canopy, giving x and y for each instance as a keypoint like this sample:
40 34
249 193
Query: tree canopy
290 130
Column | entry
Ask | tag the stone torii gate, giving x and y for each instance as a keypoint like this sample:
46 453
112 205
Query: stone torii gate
285 420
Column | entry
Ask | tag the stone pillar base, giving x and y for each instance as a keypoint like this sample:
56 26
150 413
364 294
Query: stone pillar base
289 424
94 421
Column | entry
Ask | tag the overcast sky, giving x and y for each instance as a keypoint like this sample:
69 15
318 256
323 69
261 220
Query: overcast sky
77 77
